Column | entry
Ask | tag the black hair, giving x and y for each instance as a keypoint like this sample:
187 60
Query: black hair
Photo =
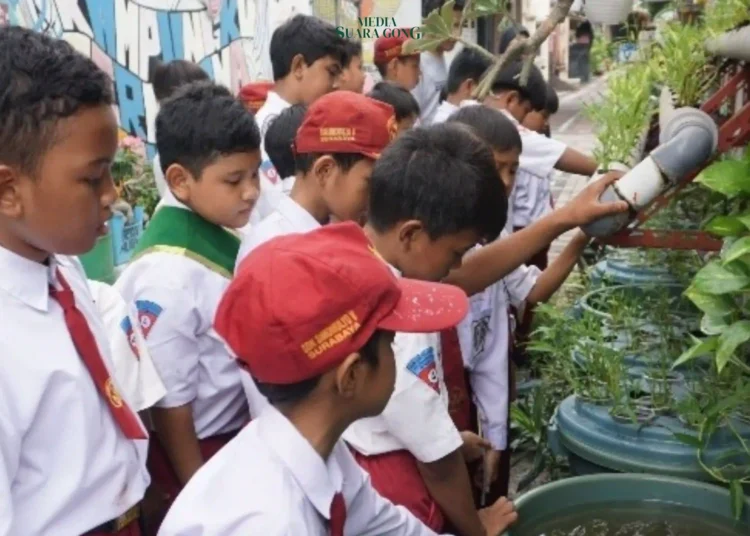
352 49
445 176
42 81
280 137
429 6
552 103
303 162
467 65
304 35
382 66
508 35
296 392
491 125
168 77
403 102
201 122
535 89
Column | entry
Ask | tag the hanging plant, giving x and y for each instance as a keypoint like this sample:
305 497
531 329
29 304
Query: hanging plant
607 11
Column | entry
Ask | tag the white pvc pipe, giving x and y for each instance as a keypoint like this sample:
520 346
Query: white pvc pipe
734 44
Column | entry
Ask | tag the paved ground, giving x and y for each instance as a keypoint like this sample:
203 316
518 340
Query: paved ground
571 126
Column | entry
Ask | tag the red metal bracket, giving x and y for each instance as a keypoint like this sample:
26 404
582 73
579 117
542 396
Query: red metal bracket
733 132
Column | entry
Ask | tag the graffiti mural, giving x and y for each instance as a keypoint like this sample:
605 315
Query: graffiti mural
229 39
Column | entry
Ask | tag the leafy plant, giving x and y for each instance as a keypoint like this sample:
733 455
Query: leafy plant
723 15
133 176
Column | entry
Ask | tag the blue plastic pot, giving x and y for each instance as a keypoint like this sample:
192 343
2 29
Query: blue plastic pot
596 492
595 442
622 272
125 235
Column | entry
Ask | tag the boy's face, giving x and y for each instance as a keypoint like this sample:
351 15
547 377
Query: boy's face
405 124
513 102
317 79
353 77
536 121
63 206
379 381
226 191
507 165
421 257
346 193
405 71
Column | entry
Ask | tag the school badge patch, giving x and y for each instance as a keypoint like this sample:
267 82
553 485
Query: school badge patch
127 327
148 314
268 169
424 367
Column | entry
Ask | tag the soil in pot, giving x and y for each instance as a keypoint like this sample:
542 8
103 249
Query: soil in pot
642 414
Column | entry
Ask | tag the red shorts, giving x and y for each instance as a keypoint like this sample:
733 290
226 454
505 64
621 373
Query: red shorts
396 477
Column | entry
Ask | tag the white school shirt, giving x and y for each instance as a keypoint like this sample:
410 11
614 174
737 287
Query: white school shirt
65 465
444 111
431 83
539 156
176 298
270 481
134 368
416 417
484 337
289 217
271 189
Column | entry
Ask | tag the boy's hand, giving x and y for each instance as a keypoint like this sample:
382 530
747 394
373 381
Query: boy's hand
586 207
474 446
498 517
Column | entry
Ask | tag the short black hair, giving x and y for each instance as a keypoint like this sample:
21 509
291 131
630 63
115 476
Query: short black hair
309 36
552 103
352 49
280 138
508 35
445 176
467 65
42 81
168 77
382 66
535 89
403 102
296 392
491 125
201 122
303 162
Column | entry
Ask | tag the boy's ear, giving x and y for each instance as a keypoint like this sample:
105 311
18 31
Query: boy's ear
409 233
178 178
323 169
10 199
468 86
297 68
350 375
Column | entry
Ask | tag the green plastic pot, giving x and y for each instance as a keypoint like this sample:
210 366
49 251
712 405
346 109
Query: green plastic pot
597 491
99 263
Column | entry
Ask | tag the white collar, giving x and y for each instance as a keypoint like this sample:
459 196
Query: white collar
275 101
27 280
297 214
318 479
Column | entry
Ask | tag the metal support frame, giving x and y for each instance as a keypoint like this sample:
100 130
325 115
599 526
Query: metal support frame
733 132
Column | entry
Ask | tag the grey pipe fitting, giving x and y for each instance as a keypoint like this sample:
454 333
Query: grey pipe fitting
733 45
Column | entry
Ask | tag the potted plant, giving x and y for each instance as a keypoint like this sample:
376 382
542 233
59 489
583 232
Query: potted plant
607 11
138 196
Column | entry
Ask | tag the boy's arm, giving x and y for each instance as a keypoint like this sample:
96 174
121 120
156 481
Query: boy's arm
556 273
491 263
576 162
176 432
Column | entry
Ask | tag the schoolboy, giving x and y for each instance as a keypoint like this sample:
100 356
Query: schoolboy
254 95
279 140
434 68
324 360
465 72
486 334
306 57
72 448
180 268
166 79
393 64
403 102
412 450
352 77
539 120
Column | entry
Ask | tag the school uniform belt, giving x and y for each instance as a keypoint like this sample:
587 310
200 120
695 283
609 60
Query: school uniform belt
115 525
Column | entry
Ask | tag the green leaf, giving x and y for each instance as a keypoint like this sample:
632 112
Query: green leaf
737 495
713 325
420 45
728 177
744 218
699 348
714 278
737 249
446 13
688 440
710 304
732 337
726 226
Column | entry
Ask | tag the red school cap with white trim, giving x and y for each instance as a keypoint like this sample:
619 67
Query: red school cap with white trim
301 303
